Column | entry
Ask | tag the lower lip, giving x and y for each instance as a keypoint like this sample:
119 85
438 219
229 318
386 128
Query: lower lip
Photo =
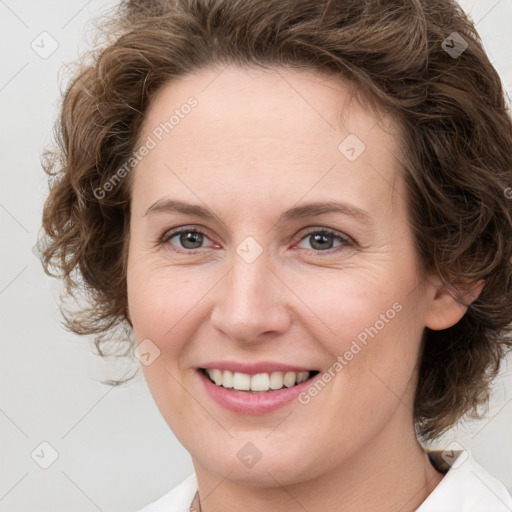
256 402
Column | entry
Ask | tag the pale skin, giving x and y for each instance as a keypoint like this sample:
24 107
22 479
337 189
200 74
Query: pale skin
257 144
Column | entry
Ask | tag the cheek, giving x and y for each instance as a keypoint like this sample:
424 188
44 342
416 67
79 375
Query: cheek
379 361
161 307
159 295
343 305
167 307
370 325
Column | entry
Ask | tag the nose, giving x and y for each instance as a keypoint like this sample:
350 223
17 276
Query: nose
251 303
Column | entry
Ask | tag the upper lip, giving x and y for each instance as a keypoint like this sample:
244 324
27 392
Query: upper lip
254 368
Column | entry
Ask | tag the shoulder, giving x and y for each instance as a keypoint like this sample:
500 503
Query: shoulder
466 486
177 499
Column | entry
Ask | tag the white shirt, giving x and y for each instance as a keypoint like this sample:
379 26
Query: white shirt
466 487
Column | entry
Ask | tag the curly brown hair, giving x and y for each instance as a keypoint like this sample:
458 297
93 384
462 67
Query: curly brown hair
408 57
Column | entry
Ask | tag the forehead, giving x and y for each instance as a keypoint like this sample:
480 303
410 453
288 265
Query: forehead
259 130
234 96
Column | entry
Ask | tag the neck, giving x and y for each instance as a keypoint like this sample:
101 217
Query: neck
390 473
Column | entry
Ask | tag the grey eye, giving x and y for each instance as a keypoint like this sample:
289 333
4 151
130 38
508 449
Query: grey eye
321 240
187 239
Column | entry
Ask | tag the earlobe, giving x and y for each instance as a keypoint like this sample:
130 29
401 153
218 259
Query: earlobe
443 309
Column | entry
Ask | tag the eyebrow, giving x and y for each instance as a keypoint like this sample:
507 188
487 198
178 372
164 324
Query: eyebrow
297 212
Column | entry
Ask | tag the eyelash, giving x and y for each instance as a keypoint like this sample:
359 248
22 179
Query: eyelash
344 239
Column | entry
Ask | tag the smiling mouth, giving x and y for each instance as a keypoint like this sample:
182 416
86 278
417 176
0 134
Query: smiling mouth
260 382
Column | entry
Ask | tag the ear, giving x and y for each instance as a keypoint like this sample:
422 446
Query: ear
443 309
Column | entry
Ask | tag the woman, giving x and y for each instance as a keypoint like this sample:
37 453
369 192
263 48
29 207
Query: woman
300 211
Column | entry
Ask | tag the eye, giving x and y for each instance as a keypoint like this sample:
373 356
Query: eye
321 240
190 239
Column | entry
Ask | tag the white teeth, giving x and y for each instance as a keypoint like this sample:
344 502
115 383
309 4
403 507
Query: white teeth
217 377
276 380
302 376
289 379
227 379
258 382
241 381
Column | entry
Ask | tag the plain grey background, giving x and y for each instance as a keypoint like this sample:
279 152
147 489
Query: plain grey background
112 449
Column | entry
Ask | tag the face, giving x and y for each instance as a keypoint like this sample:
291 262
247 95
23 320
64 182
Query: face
231 267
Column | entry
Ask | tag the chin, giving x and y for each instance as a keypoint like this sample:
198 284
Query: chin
271 470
